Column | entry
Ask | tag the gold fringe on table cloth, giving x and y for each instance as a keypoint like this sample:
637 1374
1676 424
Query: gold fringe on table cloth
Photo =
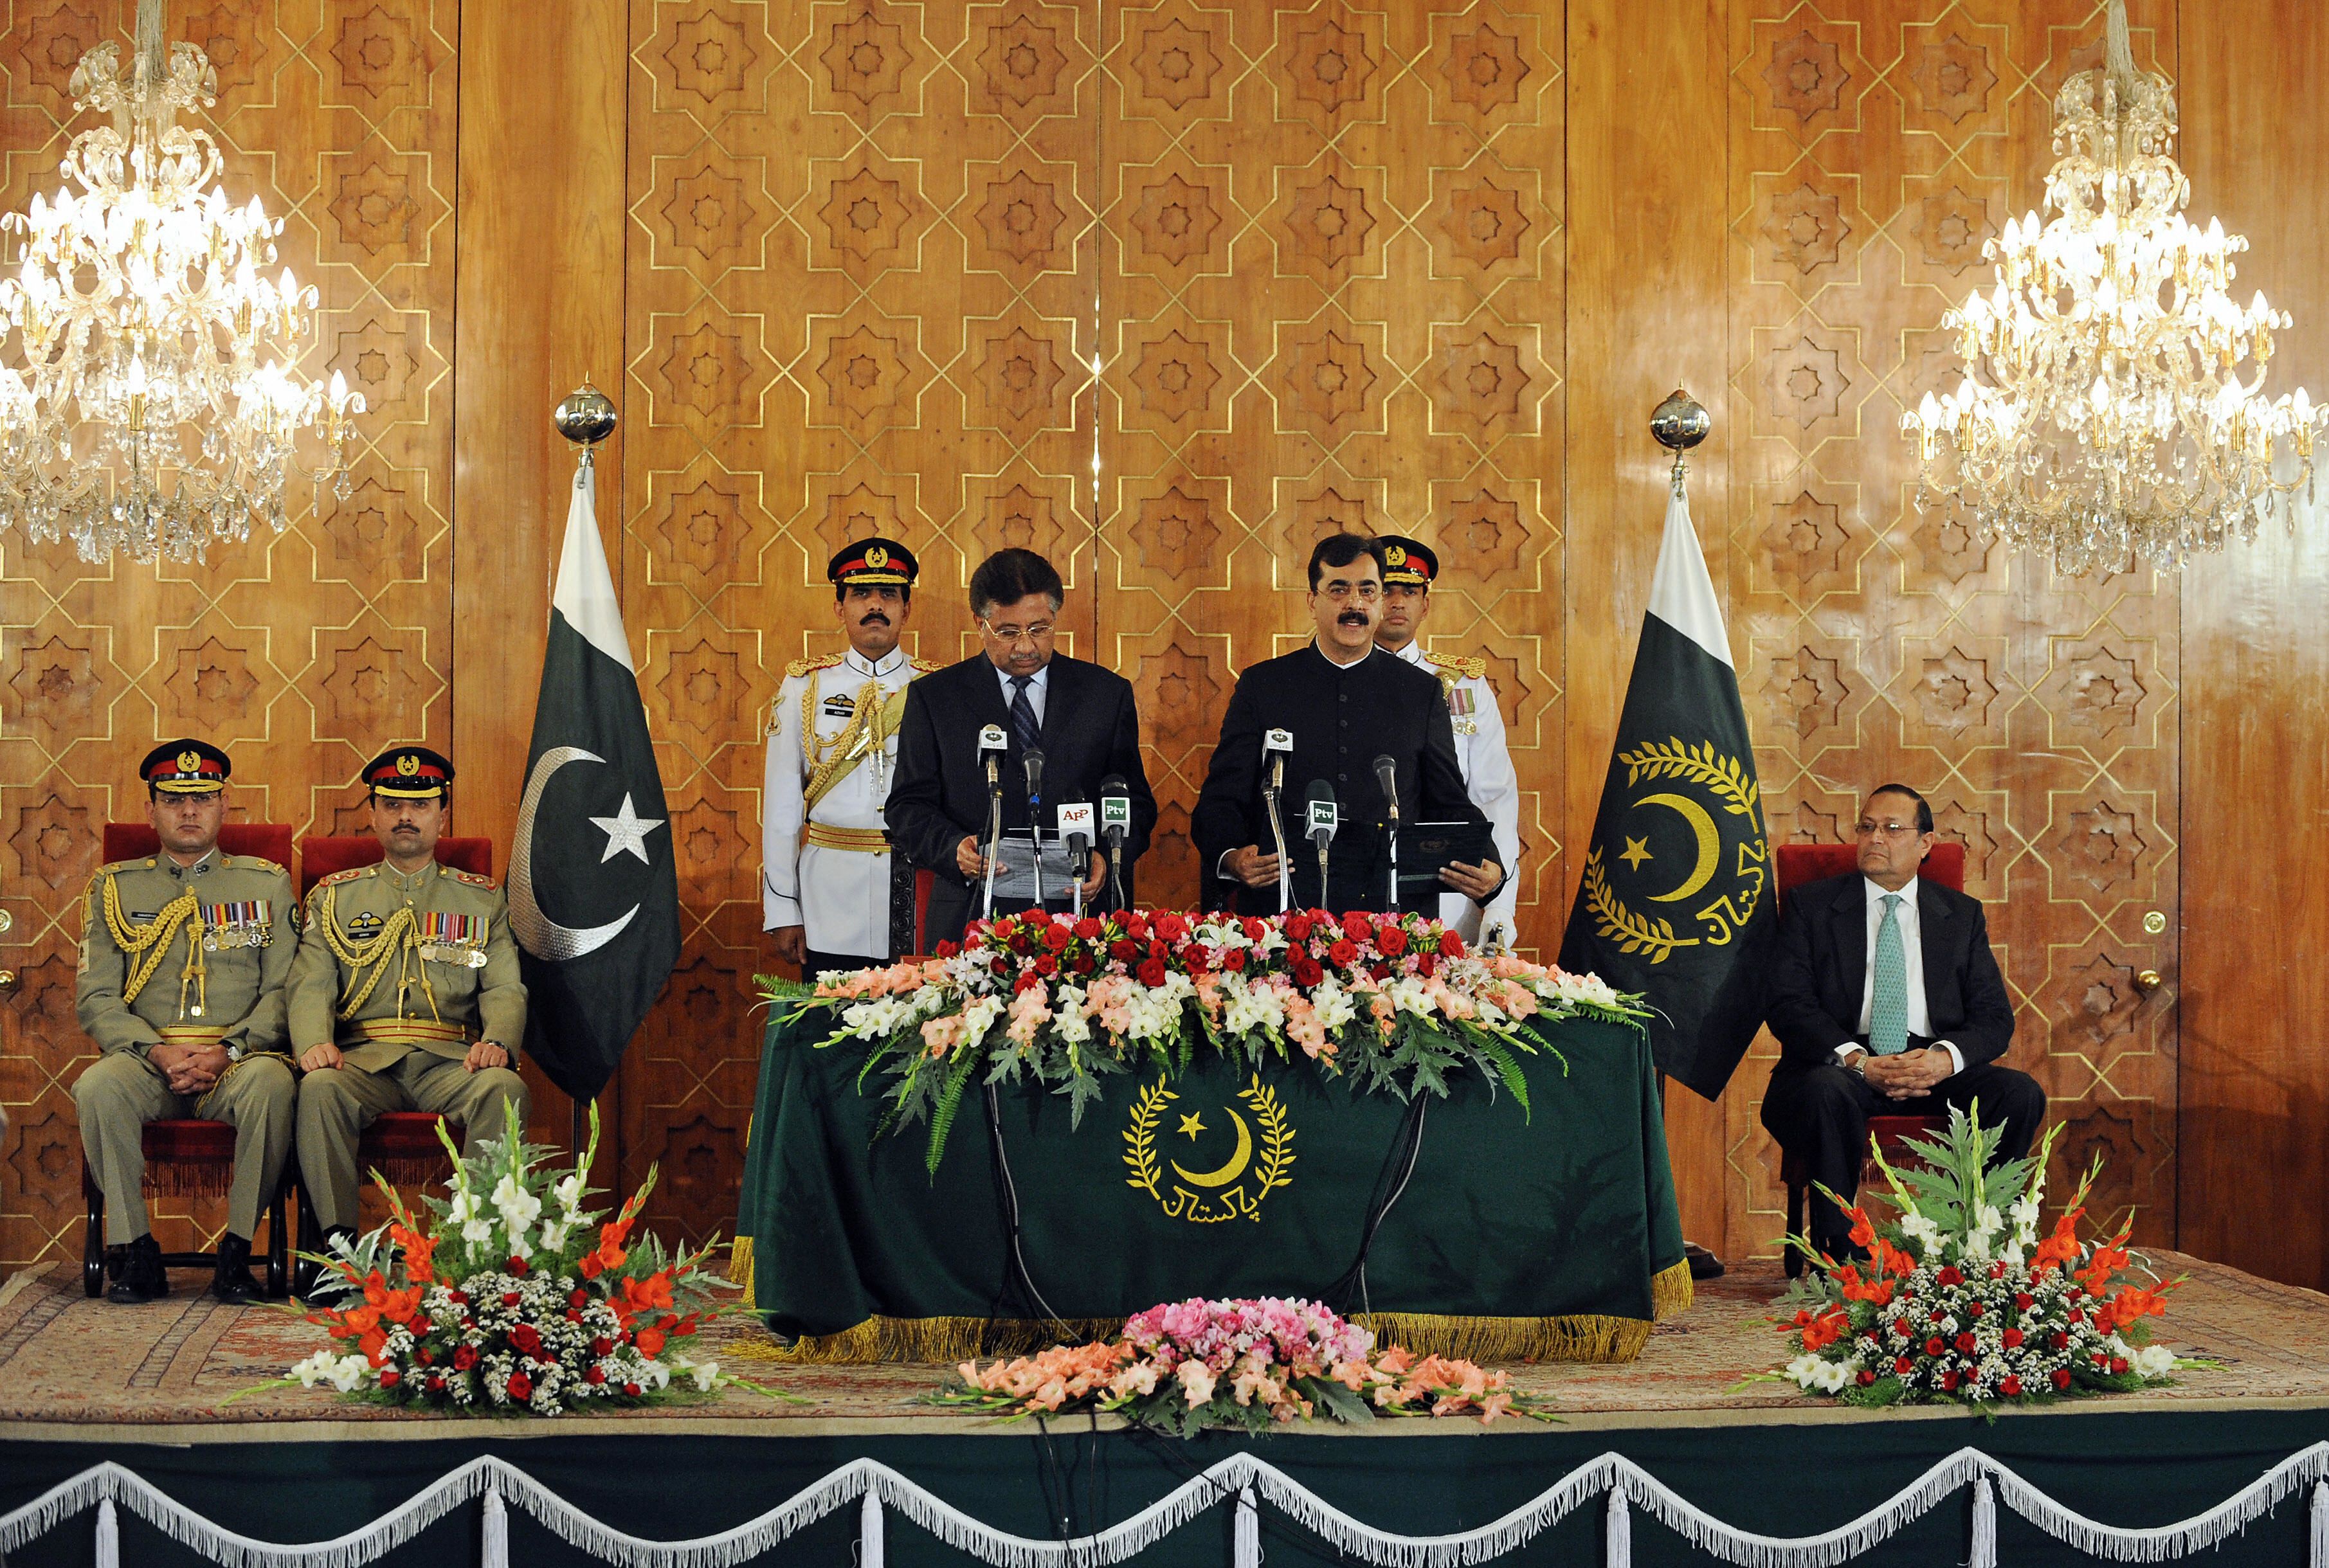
944 1341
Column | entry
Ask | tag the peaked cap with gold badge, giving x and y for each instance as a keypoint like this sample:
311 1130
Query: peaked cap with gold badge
873 562
185 767
408 772
1407 562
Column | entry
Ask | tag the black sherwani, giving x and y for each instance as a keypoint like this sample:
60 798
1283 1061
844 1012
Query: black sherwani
1090 730
1342 717
1818 1109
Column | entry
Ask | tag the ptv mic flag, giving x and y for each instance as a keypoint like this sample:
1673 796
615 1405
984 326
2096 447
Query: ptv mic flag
1676 901
593 893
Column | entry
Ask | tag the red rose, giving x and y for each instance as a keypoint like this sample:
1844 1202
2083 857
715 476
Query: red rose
1058 936
632 1389
1001 966
2012 1339
1425 963
2076 1316
436 1383
1306 973
1087 928
389 1377
1047 965
1949 1383
1197 956
1084 963
1965 1344
424 1356
1935 1346
1949 1275
1903 1366
2073 1293
1152 973
1997 1271
1159 952
1357 926
1135 926
1391 941
1973 1308
2011 1386
1254 930
601 1346
1380 971
461 1298
465 1357
1172 927
1029 979
2118 1365
1450 944
2061 1342
1234 960
510 1298
527 1339
2061 1377
1343 954
521 1387
2024 1299
1297 927
1123 952
948 950
594 1376
578 1299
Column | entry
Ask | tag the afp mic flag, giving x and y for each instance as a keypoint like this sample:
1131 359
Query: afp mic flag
593 894
1676 900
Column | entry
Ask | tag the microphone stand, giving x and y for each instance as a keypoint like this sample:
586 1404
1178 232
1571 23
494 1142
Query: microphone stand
1075 882
1035 843
1392 907
993 834
1278 834
1115 866
1323 844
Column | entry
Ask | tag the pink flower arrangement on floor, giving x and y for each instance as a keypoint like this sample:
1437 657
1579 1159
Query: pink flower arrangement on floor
1251 1364
1396 1001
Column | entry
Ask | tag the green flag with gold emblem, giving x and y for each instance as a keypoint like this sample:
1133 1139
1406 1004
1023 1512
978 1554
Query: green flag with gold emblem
1676 899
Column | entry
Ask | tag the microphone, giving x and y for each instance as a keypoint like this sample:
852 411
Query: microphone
1115 825
1032 761
1323 816
1387 775
1276 745
991 744
1076 827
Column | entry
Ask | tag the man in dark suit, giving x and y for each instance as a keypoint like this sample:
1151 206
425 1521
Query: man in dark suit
1886 1000
1345 702
1079 715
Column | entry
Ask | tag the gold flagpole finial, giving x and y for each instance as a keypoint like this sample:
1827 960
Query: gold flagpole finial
1680 423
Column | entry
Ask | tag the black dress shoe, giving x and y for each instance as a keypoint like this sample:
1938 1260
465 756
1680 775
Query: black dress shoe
1703 1264
232 1282
142 1278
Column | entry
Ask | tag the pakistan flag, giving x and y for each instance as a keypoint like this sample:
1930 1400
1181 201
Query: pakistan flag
1676 899
593 892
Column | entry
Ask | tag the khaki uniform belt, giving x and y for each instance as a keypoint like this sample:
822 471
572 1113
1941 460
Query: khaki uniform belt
411 1032
190 1035
860 840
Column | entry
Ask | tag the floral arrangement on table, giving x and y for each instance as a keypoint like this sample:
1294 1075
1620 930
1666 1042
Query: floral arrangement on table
1246 1365
514 1296
1961 1300
1397 1002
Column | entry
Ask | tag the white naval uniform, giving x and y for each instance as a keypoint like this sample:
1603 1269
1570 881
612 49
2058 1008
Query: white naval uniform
838 891
1488 777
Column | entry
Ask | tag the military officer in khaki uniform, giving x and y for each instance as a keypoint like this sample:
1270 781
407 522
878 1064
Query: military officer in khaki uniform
184 956
832 748
1409 569
407 995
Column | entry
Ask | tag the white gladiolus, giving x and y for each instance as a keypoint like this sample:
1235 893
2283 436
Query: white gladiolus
1923 1231
1067 1018
1332 1004
518 1207
2153 1361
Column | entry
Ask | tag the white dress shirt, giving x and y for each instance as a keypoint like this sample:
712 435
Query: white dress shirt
1912 952
1489 778
1039 687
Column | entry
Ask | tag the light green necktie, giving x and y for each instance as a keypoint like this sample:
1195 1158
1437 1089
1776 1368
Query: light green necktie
1888 1003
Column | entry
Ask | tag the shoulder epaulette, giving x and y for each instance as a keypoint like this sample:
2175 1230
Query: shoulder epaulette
810 666
470 878
1470 666
924 666
253 863
350 874
115 868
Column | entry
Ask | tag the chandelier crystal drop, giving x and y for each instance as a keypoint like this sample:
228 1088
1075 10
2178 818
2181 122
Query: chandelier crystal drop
2112 407
150 396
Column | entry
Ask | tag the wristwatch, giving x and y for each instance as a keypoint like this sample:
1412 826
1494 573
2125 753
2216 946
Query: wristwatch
233 1054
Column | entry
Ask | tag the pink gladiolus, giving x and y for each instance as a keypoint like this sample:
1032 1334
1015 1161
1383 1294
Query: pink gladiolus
1197 1382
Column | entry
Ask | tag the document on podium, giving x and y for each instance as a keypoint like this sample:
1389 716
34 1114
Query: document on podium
1015 875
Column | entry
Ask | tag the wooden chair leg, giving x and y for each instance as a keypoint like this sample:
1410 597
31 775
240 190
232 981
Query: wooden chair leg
92 1245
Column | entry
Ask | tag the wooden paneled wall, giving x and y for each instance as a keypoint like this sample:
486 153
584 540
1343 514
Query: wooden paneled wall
1165 289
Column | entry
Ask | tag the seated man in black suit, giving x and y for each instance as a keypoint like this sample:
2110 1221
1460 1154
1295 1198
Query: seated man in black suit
1078 715
1886 1000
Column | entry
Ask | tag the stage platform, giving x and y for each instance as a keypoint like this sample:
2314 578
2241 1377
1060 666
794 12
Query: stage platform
83 1381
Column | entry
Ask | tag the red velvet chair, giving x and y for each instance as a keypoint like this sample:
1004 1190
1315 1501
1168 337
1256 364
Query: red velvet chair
401 1145
185 1156
1802 863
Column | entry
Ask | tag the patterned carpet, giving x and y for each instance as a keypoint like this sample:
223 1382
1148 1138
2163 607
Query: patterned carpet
65 1359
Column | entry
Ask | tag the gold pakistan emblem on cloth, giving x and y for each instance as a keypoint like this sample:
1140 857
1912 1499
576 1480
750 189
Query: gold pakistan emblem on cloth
1235 1189
1696 785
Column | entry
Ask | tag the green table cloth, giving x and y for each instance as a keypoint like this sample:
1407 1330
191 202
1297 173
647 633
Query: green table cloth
1497 1233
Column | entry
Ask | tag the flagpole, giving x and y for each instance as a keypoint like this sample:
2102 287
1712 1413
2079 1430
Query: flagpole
585 416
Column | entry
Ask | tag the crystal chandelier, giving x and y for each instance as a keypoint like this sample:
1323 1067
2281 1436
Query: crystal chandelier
150 399
2112 409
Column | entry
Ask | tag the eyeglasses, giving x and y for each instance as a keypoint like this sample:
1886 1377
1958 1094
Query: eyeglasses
1887 830
1338 591
1033 637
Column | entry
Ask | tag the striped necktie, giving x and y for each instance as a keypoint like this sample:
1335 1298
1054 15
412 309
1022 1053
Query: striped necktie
1023 728
1888 1005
